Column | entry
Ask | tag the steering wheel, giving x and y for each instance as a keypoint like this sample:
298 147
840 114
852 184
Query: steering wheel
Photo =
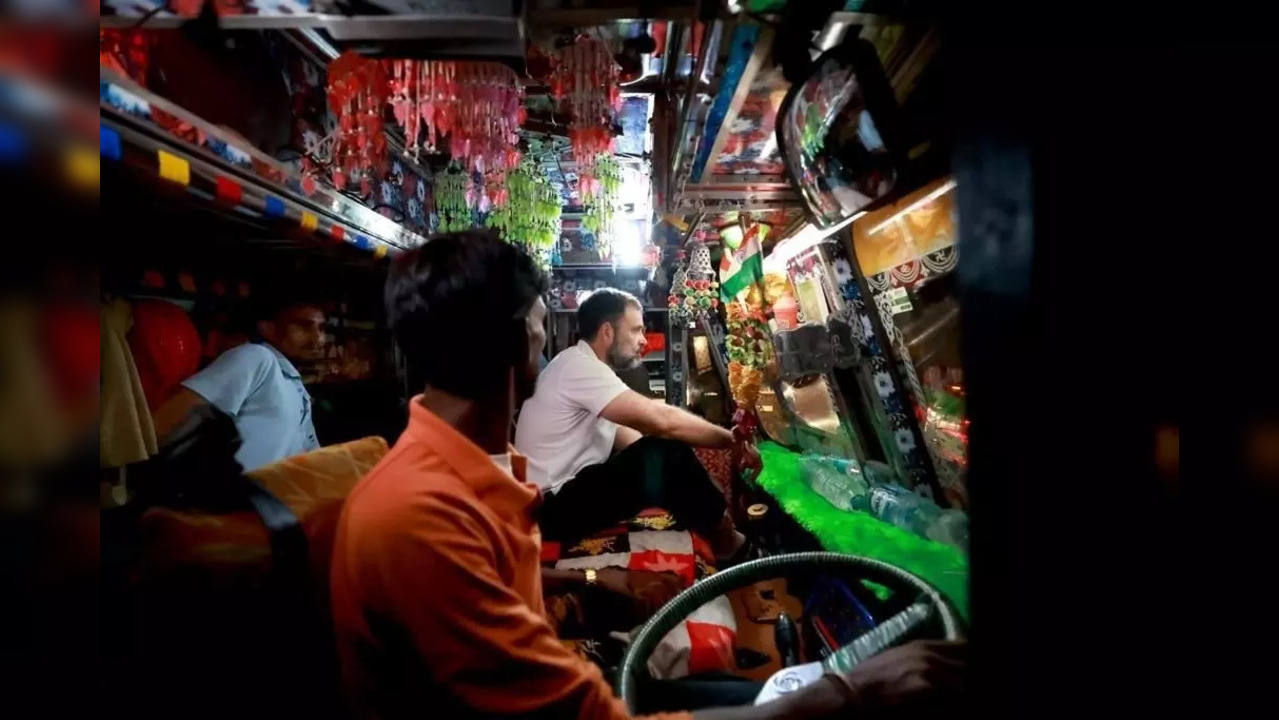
928 611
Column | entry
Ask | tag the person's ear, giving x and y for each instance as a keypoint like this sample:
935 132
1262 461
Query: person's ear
606 332
266 329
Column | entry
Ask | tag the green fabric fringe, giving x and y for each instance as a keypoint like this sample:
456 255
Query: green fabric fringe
857 533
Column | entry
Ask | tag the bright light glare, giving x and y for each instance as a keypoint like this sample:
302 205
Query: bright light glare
628 243
807 237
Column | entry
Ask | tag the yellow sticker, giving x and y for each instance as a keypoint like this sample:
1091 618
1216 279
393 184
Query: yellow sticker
309 221
676 221
174 168
379 250
84 167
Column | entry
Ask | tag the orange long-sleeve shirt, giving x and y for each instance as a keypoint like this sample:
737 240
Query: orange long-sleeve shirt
437 592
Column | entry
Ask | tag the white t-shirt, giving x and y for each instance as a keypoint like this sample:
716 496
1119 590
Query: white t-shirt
503 462
560 429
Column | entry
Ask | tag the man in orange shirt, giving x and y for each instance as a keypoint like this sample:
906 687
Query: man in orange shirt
436 580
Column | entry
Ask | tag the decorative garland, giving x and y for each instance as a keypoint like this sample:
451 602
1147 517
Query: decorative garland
357 93
603 198
748 340
750 349
476 104
452 203
531 215
585 81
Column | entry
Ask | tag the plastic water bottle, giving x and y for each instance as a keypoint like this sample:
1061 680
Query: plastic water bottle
898 506
838 480
950 527
877 473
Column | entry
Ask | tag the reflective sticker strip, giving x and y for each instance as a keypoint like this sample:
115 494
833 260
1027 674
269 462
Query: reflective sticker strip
174 168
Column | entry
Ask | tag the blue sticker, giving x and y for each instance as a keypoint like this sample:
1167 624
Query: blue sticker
109 141
362 242
274 206
13 144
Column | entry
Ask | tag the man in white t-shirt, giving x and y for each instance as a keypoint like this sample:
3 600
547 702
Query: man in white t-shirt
602 452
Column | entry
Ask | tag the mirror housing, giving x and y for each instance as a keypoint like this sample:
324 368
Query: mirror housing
839 135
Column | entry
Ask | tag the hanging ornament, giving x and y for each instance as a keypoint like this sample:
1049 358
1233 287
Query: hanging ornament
701 289
531 215
357 93
477 106
602 201
126 51
453 201
585 81
675 301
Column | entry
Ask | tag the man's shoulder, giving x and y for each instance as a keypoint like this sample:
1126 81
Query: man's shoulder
574 362
407 484
248 354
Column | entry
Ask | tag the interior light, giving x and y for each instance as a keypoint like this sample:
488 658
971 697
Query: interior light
628 244
807 237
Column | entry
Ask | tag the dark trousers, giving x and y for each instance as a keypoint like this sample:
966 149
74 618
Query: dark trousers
651 472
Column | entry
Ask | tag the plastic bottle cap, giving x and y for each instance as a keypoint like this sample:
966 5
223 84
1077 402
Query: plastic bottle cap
756 511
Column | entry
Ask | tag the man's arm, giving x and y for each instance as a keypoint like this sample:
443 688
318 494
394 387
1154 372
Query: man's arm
624 437
175 411
594 387
653 417
556 580
480 639
226 384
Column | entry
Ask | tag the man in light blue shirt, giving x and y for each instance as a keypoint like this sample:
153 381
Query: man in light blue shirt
259 387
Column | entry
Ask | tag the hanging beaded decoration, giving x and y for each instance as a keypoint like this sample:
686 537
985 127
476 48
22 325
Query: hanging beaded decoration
675 301
601 204
357 93
453 201
531 217
476 105
701 289
585 81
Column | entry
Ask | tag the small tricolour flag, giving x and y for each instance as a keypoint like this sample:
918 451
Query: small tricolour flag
743 266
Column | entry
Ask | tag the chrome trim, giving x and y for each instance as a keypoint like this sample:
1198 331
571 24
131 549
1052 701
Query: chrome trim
329 205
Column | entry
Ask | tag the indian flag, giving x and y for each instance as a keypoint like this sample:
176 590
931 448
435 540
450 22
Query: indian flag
742 264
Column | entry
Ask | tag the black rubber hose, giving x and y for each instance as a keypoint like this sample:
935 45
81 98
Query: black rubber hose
642 645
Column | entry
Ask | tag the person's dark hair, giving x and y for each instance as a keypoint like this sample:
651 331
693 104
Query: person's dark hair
603 305
457 305
270 304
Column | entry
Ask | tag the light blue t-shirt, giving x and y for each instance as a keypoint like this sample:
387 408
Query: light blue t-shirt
258 387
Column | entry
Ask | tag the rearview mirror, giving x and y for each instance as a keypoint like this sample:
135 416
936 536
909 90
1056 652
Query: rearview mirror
837 131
